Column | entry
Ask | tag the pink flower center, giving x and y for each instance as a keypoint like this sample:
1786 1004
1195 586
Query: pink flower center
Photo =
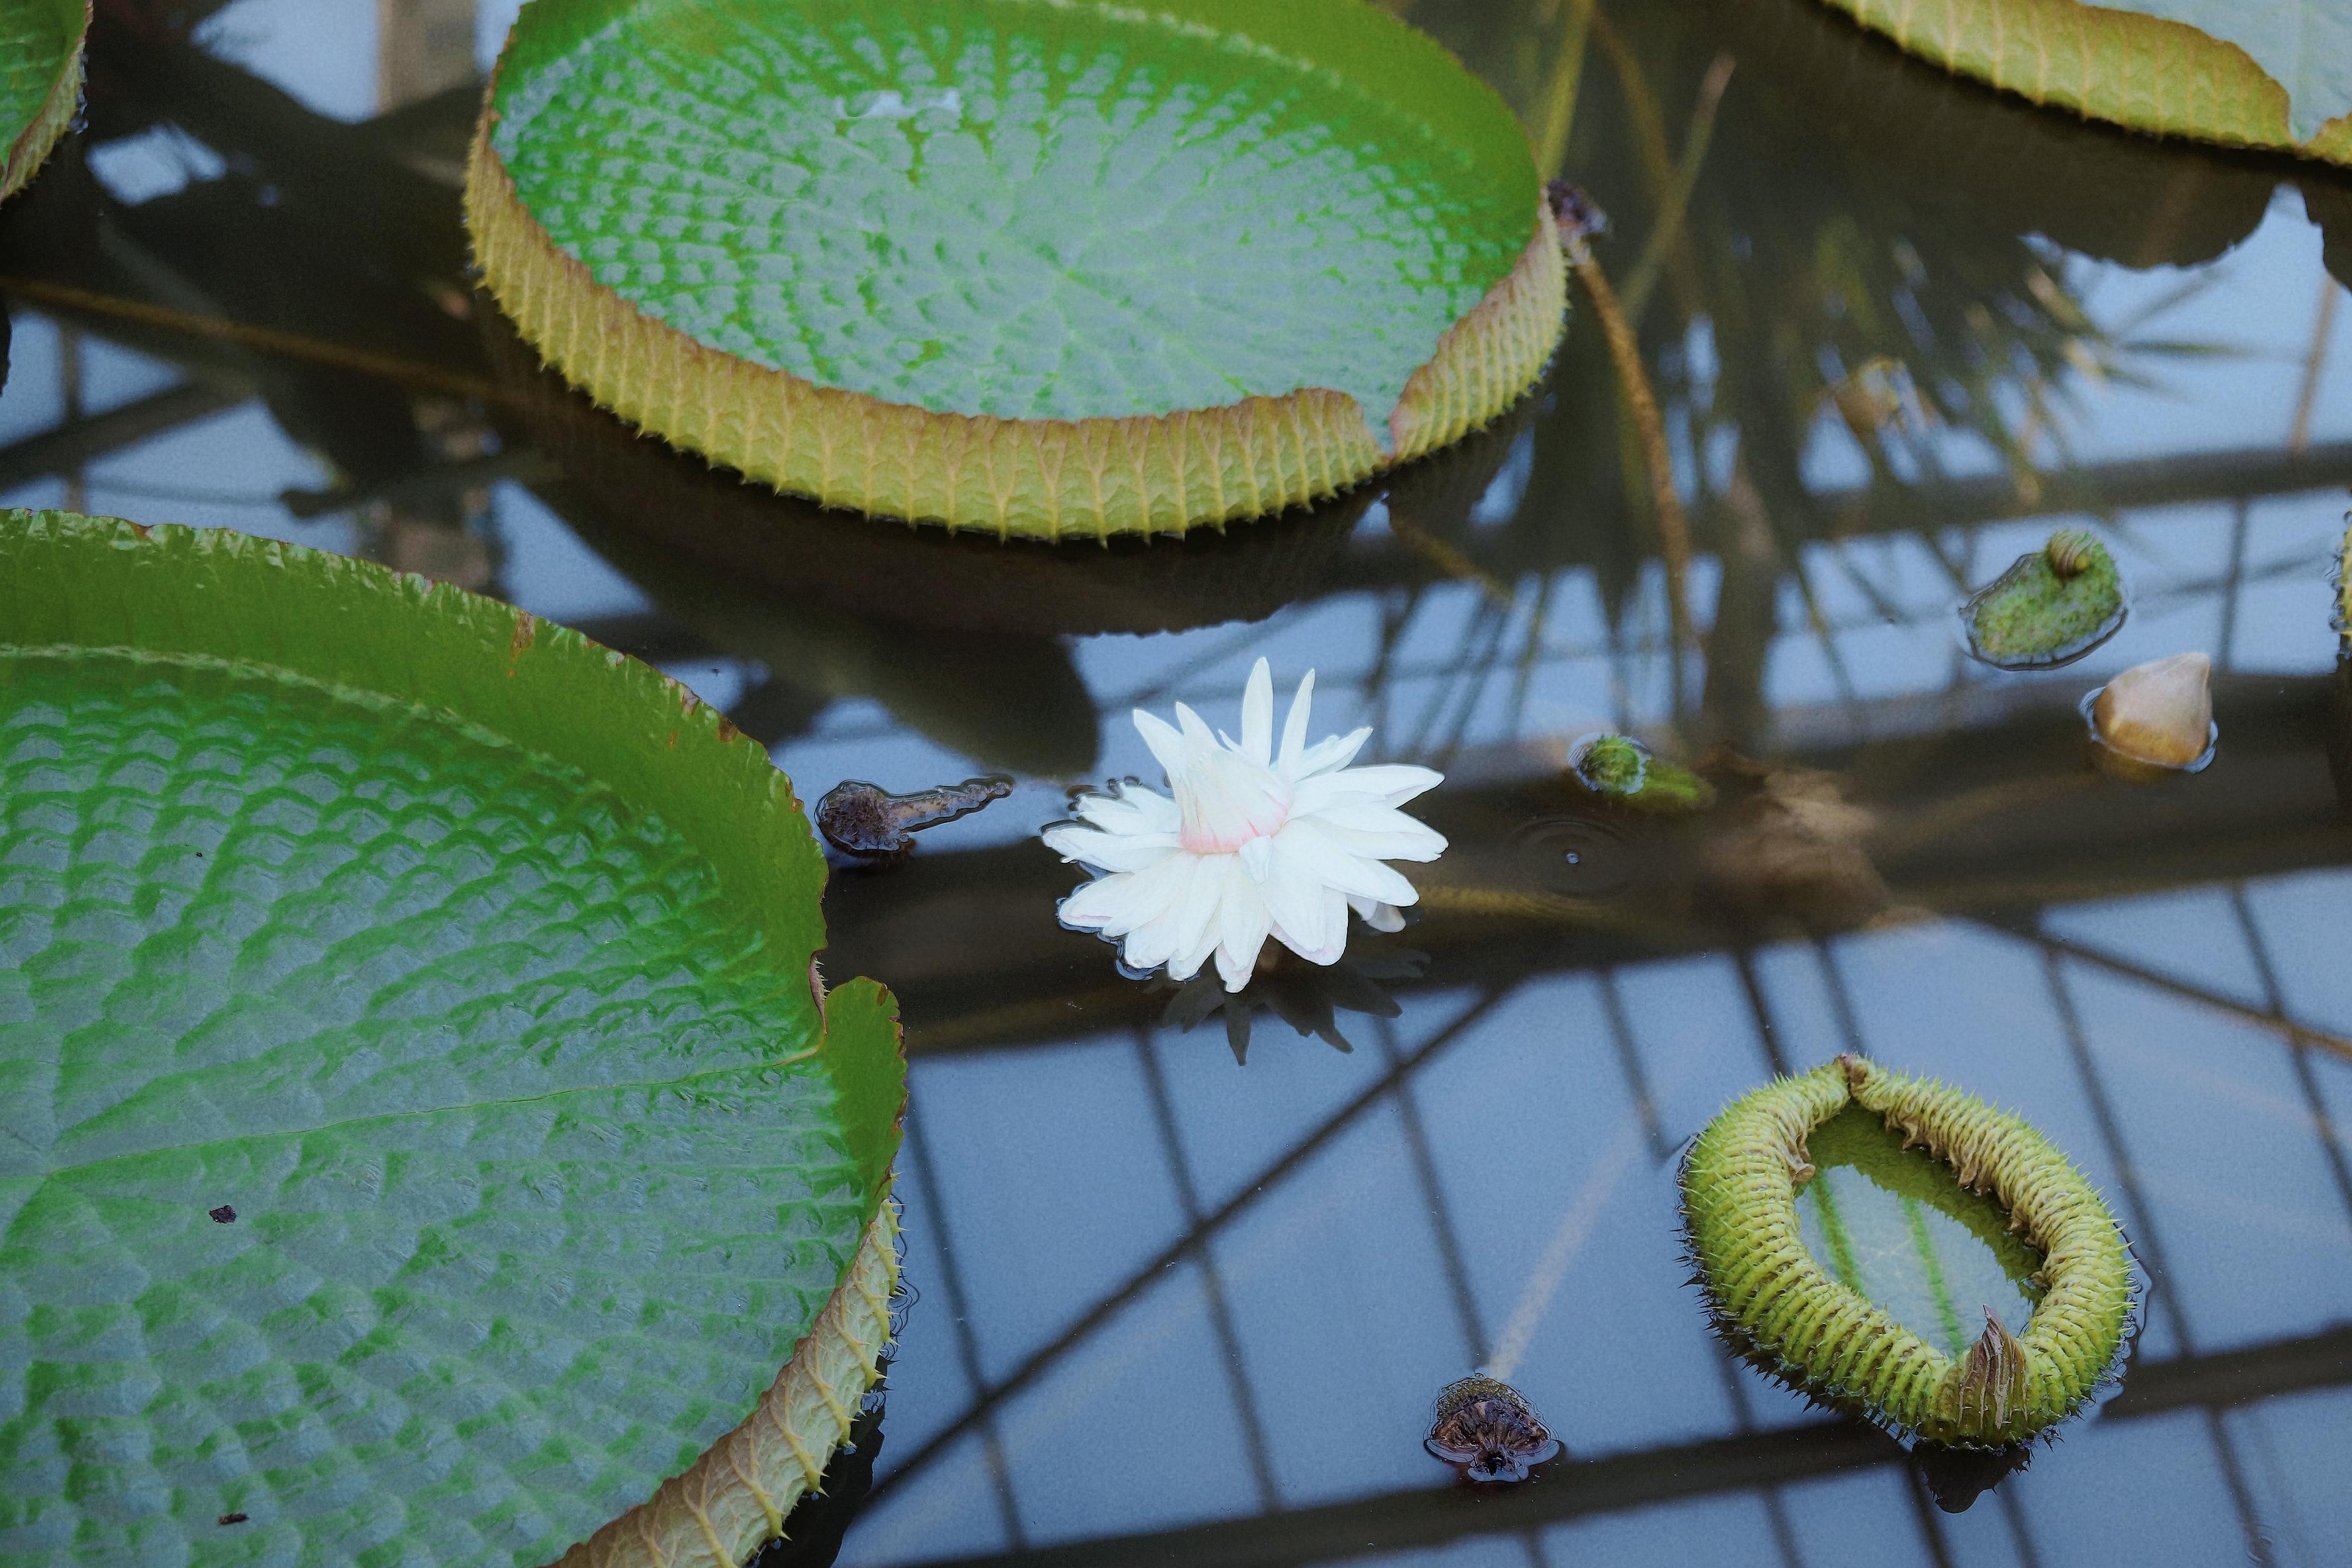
1225 801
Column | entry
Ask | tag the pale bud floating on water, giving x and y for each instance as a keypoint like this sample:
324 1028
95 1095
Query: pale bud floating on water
2050 608
1620 769
1487 1428
2156 718
1257 843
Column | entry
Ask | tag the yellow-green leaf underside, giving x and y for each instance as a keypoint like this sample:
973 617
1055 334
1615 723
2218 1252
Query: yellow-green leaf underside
2150 71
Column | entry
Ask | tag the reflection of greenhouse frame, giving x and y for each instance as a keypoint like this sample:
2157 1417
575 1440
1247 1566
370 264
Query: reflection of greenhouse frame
1739 1188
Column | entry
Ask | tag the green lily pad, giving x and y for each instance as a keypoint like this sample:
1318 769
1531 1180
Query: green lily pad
1881 1291
1889 1224
816 242
2275 75
40 81
2305 46
426 1142
2050 608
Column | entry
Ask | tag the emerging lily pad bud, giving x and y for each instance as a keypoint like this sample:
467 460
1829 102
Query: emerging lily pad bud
1620 769
2160 712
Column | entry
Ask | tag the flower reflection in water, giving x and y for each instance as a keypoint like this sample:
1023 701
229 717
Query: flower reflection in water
1308 997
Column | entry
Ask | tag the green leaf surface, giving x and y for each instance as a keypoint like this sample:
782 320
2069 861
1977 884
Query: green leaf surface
1025 208
2305 46
2245 73
39 40
420 1140
1892 1224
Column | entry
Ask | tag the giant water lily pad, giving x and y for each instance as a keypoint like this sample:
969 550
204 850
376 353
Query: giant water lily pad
1049 269
1879 1329
2273 75
40 81
427 1140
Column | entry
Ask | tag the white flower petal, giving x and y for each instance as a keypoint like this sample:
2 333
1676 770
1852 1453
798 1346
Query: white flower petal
1257 715
1133 809
1377 915
1293 729
1327 756
1167 745
1380 832
1158 811
1186 915
1257 858
1294 903
1386 783
1197 736
1312 854
1243 926
1224 881
1112 905
1331 932
1110 851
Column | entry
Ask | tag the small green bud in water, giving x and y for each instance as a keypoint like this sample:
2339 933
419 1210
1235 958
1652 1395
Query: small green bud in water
1621 769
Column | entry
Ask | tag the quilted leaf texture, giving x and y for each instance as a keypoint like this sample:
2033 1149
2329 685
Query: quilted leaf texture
415 1150
1038 268
40 81
2201 68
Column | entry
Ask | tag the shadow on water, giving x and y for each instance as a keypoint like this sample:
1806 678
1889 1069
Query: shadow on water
711 519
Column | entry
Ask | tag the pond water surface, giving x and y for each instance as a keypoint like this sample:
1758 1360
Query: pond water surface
1188 1272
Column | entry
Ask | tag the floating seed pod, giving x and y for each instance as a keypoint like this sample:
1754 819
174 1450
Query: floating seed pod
865 820
1487 1428
1741 1183
2155 719
1620 768
2050 608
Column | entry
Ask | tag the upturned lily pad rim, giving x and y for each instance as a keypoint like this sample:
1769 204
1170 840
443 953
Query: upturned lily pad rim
2046 51
1766 1290
70 581
32 146
1050 479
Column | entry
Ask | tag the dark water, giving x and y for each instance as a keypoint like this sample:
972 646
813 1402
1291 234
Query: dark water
1177 1309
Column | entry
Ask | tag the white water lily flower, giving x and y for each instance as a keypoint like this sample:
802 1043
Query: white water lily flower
1255 844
